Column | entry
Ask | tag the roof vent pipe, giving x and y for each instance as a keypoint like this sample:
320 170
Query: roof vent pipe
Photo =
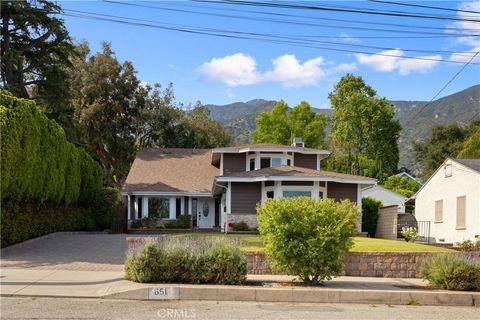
297 142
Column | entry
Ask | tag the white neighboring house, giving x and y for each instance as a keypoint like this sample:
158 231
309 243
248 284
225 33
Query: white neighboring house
450 200
408 176
388 197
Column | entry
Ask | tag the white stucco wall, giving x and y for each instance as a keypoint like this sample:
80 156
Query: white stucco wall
462 182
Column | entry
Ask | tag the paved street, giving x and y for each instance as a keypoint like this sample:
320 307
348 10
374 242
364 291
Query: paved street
66 251
56 308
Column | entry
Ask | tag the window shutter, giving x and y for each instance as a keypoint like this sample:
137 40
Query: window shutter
461 208
439 211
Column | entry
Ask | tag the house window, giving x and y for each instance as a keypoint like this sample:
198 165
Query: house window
448 170
289 162
269 194
269 183
178 207
439 211
461 210
158 207
292 194
320 194
140 207
264 163
252 164
276 162
194 212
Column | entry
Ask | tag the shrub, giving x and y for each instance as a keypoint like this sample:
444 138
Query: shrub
466 245
370 208
410 234
307 238
447 271
240 226
38 163
182 222
187 260
20 223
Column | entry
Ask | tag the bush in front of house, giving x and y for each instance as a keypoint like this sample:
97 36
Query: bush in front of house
307 238
187 260
447 271
370 207
182 222
410 234
240 226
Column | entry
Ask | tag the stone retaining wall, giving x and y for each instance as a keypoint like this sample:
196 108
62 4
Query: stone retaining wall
367 264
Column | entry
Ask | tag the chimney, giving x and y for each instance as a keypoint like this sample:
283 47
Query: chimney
297 142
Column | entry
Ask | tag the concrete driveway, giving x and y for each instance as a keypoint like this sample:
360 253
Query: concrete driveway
68 251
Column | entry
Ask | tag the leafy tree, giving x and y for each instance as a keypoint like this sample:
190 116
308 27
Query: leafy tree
444 142
363 124
35 47
307 238
164 123
108 98
281 126
471 146
370 208
203 131
402 185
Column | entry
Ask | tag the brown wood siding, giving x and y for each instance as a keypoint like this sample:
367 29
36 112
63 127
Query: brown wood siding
340 191
245 197
305 161
233 162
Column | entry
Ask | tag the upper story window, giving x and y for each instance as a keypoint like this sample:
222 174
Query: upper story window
266 160
252 164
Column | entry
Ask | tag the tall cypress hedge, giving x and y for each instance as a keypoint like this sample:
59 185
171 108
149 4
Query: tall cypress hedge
38 164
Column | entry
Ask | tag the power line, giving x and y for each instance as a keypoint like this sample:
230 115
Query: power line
423 6
234 34
444 87
282 15
338 9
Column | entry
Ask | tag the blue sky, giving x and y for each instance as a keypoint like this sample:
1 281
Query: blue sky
223 70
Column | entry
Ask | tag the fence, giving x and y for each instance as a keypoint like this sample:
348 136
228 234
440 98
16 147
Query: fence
423 231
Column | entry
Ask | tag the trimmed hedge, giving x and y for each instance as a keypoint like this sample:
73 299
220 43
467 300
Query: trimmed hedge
47 183
38 163
29 221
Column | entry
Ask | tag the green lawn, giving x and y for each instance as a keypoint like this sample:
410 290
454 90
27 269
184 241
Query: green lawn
252 242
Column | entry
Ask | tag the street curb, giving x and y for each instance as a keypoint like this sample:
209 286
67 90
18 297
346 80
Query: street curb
299 295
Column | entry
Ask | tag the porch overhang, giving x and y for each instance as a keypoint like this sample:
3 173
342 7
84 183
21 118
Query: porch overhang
294 178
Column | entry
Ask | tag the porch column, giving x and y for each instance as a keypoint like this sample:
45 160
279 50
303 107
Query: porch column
316 190
129 209
257 161
172 206
359 205
229 198
135 207
182 205
264 194
144 207
190 206
277 191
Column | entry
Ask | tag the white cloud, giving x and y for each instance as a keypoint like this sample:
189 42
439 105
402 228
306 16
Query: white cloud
391 60
293 74
234 70
465 57
473 27
241 69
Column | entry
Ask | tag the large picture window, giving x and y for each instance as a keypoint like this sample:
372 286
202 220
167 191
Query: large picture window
158 207
292 194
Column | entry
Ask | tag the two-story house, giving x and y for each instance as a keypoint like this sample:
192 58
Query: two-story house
218 186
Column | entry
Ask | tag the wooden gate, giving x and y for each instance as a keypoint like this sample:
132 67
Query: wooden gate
119 221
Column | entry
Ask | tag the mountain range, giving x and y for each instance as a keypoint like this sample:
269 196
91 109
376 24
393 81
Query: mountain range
416 117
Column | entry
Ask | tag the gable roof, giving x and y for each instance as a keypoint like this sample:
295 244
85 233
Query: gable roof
171 170
299 172
473 164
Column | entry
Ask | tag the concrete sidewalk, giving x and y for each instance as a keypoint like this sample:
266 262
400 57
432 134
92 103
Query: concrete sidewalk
260 288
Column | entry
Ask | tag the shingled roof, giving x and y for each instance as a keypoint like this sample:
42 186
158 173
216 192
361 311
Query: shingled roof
473 164
292 171
171 170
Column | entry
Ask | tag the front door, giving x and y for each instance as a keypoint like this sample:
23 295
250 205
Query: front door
205 213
